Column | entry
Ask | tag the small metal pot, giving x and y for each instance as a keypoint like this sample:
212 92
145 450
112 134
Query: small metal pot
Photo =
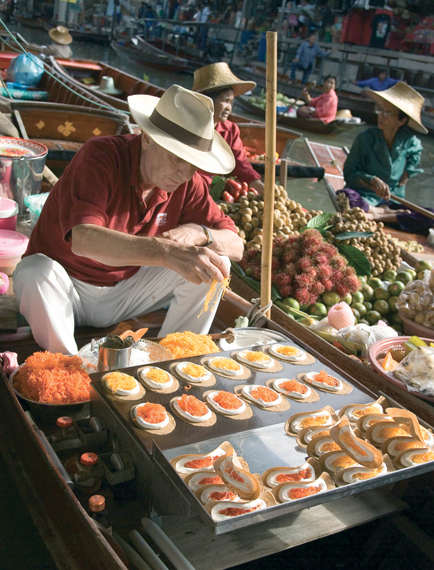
112 355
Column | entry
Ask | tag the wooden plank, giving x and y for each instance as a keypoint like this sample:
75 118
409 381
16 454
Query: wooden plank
209 552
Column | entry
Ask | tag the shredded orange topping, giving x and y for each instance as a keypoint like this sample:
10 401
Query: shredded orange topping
293 386
227 400
234 475
298 476
53 379
157 375
194 370
359 412
119 381
210 480
319 420
342 462
236 511
222 496
263 393
425 433
316 434
184 344
350 441
226 363
403 445
287 350
224 285
326 379
255 356
388 432
151 413
423 457
192 406
332 446
300 492
367 474
201 462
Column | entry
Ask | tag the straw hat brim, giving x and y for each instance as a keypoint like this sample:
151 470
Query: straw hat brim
218 76
238 88
108 90
63 38
400 103
218 160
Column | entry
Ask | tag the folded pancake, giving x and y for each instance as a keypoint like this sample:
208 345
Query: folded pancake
194 462
305 473
365 422
237 479
378 433
335 461
358 473
223 510
213 493
360 450
396 445
287 492
325 417
321 445
201 479
414 457
355 411
407 419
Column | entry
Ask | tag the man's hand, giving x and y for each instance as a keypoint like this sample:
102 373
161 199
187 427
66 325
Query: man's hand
380 188
198 265
188 234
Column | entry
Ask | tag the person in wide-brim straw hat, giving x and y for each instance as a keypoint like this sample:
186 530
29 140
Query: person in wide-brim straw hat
384 158
218 82
130 227
60 48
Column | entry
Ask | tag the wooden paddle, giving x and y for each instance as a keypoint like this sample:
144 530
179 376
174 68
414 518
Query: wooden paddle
412 206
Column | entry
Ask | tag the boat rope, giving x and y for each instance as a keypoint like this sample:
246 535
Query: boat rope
76 93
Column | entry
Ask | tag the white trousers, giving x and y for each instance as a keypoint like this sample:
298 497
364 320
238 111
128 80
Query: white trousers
53 303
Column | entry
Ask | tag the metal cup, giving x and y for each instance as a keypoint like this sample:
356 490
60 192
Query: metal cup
112 356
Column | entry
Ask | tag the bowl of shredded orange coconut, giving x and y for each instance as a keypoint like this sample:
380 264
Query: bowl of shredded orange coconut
53 384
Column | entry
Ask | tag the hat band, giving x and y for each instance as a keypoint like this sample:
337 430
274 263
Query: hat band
175 130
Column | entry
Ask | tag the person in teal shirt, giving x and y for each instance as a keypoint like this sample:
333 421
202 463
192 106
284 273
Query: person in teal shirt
383 159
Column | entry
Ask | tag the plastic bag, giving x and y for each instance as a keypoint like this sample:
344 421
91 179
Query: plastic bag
417 370
25 70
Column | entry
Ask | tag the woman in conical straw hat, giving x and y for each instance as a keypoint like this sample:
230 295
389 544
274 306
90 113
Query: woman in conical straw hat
382 159
61 46
218 82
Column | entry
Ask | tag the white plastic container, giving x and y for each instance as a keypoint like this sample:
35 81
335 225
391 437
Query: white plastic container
8 214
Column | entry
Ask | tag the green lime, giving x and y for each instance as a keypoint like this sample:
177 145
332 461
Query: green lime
382 307
304 308
372 317
330 298
392 303
389 275
368 305
307 321
318 309
404 276
357 297
363 322
360 308
291 302
356 314
396 288
381 294
363 279
421 265
398 328
412 272
374 282
347 299
395 319
421 274
368 292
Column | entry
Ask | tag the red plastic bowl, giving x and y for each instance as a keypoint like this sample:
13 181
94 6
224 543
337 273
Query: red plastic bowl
379 350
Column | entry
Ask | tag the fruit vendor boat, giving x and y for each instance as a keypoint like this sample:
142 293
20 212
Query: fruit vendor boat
139 478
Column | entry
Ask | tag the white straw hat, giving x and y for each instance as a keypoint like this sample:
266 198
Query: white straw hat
404 98
182 122
107 85
60 35
219 76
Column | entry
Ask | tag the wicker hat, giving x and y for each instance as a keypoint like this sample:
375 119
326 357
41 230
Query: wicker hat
344 114
406 99
218 76
182 122
60 35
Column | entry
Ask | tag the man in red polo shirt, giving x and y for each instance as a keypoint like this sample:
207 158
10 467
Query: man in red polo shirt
130 227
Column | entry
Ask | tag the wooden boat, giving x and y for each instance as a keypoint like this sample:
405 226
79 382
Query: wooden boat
71 535
139 51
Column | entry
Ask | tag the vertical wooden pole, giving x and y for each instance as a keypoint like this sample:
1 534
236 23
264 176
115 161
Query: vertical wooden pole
270 169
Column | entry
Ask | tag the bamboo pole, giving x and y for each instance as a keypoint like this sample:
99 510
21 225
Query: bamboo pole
270 169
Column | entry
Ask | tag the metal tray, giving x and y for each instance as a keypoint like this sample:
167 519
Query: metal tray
260 440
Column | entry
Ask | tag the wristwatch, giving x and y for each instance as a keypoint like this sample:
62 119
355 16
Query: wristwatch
208 235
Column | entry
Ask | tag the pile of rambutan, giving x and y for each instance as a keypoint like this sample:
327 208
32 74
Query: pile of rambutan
304 267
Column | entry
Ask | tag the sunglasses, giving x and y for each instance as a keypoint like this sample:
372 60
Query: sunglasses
381 111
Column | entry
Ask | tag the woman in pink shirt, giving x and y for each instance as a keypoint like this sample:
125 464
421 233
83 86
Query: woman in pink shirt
324 106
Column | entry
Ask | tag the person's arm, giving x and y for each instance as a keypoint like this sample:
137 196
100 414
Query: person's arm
243 171
412 161
321 53
113 248
354 166
365 82
298 53
306 96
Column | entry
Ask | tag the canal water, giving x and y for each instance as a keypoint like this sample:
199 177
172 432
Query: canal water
20 546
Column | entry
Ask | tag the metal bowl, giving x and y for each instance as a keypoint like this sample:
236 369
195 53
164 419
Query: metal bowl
49 413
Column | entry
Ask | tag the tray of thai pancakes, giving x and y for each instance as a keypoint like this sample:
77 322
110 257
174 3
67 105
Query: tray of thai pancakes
249 435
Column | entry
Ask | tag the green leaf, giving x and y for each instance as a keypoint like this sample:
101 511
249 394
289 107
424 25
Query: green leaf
355 258
351 235
217 187
319 221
